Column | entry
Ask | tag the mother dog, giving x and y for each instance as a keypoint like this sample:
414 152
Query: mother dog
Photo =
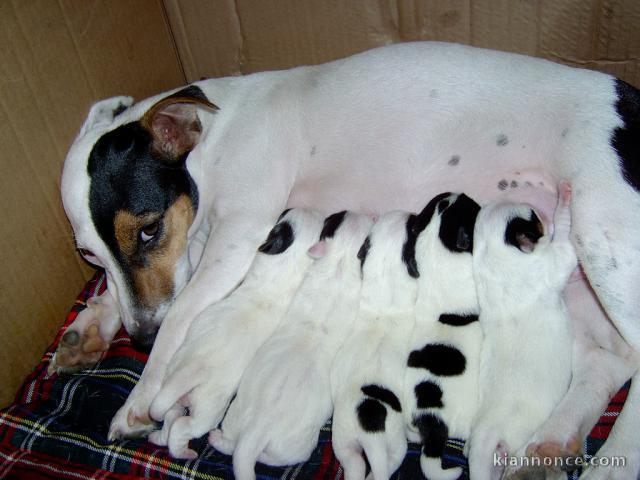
173 195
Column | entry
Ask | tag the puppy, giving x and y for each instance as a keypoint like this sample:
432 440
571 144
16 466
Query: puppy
284 396
525 369
206 370
366 377
440 383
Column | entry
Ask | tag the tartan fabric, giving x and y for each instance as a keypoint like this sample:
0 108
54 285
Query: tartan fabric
57 428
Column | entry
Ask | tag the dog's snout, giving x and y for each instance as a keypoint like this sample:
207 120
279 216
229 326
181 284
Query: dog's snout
143 339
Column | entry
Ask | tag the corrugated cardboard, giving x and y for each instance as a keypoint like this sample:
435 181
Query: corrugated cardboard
227 37
56 59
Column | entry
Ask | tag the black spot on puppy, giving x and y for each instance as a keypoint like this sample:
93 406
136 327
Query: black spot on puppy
626 139
372 414
331 224
441 360
457 224
433 433
364 250
428 395
382 394
522 233
456 320
279 239
415 225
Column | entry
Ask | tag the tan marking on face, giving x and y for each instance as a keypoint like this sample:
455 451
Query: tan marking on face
153 278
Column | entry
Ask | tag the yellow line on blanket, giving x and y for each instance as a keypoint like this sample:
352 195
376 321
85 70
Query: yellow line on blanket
135 456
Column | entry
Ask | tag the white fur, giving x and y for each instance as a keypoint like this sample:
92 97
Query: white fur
374 354
445 286
284 396
376 132
525 366
224 338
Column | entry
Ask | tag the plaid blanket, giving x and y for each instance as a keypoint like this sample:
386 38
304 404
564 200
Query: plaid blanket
57 428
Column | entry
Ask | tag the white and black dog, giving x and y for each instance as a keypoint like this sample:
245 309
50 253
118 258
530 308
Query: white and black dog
222 340
367 373
284 397
520 274
173 195
440 390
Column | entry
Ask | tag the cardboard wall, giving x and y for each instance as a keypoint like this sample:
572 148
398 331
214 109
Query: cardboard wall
57 57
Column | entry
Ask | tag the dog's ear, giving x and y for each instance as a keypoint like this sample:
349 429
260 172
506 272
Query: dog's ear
174 124
103 112
524 234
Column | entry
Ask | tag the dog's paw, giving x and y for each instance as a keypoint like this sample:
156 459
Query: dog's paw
559 455
132 420
78 350
218 441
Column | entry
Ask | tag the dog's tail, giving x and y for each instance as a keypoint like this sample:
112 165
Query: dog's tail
178 384
246 455
434 434
375 448
432 469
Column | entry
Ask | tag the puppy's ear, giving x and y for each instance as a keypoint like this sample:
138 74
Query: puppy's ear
318 250
524 234
174 124
103 112
279 239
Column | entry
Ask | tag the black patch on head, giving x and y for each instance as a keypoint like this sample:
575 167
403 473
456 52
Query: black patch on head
415 225
331 224
434 434
279 239
283 214
382 394
364 250
502 140
503 184
428 395
127 174
457 320
372 415
457 223
626 139
519 229
441 360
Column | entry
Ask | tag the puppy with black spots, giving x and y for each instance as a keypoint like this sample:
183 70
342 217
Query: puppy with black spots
205 372
440 383
525 369
367 373
284 396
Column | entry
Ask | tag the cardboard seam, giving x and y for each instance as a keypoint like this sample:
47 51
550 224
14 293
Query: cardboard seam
240 57
174 44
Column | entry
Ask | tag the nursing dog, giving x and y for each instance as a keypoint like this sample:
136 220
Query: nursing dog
205 372
284 396
440 390
520 273
367 373
173 195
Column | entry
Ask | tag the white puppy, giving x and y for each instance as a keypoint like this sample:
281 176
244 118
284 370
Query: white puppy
205 372
284 396
526 356
367 373
440 385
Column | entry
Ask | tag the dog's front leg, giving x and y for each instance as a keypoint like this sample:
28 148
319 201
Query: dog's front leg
226 258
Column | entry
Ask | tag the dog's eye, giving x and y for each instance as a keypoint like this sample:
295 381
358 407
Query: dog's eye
85 253
150 231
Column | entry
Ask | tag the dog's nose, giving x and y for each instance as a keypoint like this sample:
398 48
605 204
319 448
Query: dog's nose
142 340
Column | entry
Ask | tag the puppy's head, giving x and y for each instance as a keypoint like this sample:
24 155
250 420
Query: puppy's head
441 233
386 282
508 230
131 200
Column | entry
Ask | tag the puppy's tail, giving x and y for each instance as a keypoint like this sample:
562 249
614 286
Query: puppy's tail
375 448
246 455
432 469
178 384
434 434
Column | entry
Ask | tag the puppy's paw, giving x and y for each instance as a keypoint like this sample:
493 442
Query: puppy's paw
132 420
78 350
560 455
218 441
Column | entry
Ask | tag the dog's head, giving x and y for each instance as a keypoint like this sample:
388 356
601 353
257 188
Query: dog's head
441 235
386 283
130 199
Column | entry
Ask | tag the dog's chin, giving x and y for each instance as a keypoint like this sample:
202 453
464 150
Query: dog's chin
145 327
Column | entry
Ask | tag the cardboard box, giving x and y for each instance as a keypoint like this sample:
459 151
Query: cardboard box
59 57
